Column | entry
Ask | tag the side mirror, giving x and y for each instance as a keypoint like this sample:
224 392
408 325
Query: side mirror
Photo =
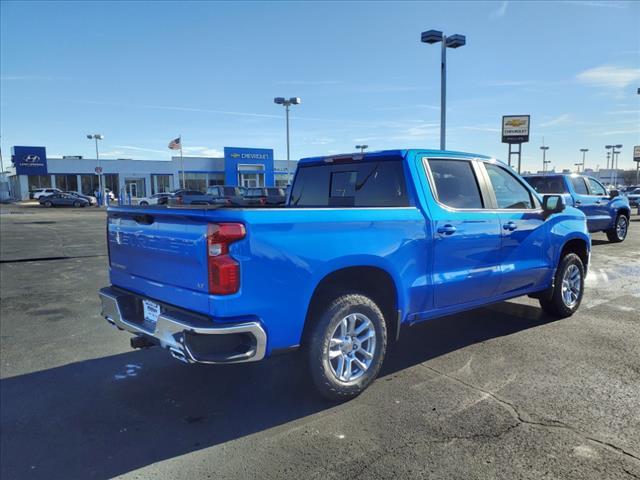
613 193
553 204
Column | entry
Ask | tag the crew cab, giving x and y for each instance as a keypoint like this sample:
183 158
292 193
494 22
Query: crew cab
367 245
606 211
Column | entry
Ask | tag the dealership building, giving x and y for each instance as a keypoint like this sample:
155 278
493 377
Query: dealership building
248 167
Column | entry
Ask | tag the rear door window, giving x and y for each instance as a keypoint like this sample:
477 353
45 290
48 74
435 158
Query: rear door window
358 184
579 186
455 183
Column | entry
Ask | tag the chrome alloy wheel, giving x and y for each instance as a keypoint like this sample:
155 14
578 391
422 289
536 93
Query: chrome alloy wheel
621 227
352 346
571 281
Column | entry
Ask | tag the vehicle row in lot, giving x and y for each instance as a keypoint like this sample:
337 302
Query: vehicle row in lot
219 195
606 211
366 246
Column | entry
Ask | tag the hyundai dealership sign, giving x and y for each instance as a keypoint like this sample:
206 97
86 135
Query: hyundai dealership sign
30 160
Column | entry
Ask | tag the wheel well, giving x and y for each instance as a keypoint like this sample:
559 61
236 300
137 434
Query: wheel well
577 246
626 212
373 282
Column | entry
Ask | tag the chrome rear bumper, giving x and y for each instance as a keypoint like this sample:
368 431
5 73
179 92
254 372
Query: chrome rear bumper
179 331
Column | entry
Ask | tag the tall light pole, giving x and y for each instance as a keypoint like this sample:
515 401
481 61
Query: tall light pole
584 154
453 41
614 161
578 165
287 103
362 148
544 158
96 137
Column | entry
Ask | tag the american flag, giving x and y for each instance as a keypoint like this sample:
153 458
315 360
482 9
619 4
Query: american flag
175 144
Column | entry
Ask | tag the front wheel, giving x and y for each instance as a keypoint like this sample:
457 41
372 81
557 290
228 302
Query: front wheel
346 347
565 296
77 204
619 231
144 204
48 204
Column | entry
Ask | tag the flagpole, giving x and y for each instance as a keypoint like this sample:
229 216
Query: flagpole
181 161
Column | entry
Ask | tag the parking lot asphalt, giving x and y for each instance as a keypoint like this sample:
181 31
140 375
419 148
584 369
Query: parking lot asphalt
499 392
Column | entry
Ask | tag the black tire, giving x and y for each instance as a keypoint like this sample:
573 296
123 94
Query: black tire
553 301
77 204
48 204
319 342
144 204
619 231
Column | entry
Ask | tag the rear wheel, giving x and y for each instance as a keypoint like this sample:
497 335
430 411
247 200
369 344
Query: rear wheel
77 204
565 296
347 345
48 204
619 231
144 204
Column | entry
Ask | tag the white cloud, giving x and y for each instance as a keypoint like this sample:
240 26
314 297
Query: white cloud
559 120
611 76
202 151
499 12
140 149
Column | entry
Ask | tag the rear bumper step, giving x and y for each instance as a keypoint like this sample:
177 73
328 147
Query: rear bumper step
186 336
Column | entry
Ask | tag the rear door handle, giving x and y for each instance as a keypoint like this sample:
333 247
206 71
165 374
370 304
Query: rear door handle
511 226
578 202
447 229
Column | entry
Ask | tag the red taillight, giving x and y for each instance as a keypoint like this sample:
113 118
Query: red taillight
224 271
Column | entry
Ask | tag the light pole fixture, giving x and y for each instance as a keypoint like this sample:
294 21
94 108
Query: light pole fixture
453 41
362 148
544 158
96 137
584 153
579 164
287 102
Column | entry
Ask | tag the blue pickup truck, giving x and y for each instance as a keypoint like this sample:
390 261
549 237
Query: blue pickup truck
606 211
367 245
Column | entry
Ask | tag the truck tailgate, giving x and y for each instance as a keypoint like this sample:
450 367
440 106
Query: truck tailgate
163 246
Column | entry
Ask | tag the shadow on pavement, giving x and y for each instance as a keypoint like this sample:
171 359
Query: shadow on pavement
104 417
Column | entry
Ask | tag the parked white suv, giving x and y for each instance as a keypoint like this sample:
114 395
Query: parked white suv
36 193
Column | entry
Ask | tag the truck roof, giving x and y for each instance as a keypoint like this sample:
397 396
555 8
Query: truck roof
382 154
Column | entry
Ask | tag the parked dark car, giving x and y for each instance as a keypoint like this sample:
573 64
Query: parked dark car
92 200
63 200
265 196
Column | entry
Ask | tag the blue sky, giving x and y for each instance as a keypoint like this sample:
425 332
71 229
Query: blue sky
143 73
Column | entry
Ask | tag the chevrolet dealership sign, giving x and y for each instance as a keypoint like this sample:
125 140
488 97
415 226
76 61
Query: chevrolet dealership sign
30 160
515 128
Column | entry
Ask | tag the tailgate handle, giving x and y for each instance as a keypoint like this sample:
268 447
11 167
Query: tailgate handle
144 219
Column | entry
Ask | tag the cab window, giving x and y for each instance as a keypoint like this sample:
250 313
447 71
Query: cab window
509 192
595 187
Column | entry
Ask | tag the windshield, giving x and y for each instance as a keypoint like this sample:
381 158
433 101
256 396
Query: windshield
547 184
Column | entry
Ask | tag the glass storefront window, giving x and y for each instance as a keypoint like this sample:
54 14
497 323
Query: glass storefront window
39 181
195 181
89 184
281 180
68 183
112 182
160 183
216 179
